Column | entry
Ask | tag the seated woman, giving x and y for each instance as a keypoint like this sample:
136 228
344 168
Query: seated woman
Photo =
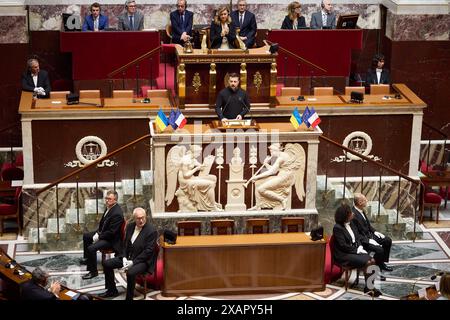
294 19
223 32
348 250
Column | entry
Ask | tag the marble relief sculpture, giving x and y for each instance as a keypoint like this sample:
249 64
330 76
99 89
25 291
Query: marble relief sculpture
196 187
273 190
235 188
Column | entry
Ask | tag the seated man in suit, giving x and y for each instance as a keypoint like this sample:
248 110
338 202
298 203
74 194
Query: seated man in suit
95 21
181 21
36 80
246 22
377 74
107 236
372 240
131 19
138 255
35 289
325 18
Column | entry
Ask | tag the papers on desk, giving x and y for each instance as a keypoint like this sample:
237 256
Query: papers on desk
56 102
311 99
70 293
422 293
16 183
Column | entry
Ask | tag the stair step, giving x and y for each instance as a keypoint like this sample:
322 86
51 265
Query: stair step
71 216
52 224
128 187
147 177
90 206
33 235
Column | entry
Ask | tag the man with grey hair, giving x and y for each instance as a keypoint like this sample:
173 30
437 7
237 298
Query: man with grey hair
325 18
107 235
131 19
36 80
35 289
372 240
139 255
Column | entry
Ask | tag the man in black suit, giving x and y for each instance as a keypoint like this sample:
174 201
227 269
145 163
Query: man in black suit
107 236
138 255
181 21
232 102
35 288
246 21
36 80
372 240
377 74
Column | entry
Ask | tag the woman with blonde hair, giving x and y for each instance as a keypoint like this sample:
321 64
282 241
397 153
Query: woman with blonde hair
223 32
294 19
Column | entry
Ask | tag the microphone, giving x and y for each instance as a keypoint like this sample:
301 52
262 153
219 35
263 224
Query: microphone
245 106
226 105
433 277
439 274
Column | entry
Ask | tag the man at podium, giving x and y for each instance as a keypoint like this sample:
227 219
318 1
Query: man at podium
232 102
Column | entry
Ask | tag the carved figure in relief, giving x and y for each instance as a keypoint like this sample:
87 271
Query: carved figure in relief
287 170
194 192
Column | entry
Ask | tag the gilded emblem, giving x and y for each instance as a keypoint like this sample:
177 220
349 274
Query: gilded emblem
196 82
257 81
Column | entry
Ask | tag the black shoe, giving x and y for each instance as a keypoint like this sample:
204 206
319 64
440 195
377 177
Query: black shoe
372 293
90 275
109 294
83 261
385 267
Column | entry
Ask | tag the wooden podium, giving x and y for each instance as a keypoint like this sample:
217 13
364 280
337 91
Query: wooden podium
200 75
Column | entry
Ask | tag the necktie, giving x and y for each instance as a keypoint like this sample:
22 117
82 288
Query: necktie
324 20
131 22
241 19
96 24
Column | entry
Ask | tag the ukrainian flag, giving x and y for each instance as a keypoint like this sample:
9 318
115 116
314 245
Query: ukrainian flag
296 118
161 120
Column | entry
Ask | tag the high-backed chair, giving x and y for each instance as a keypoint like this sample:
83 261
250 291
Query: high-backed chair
89 94
291 91
189 228
169 31
12 173
10 211
110 251
348 90
58 94
222 226
345 269
157 93
292 224
432 200
323 91
123 94
379 89
258 225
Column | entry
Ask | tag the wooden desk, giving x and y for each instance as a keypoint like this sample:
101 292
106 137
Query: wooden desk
379 99
309 100
61 104
434 179
155 103
230 264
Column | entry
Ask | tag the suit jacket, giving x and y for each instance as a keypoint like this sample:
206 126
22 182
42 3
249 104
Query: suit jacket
288 23
316 20
109 227
42 81
178 27
363 226
33 291
343 241
248 28
371 77
143 248
88 24
124 22
216 38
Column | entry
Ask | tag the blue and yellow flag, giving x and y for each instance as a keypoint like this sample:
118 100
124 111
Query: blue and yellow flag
161 120
296 118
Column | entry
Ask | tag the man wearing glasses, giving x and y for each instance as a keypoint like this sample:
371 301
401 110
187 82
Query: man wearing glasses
325 18
181 21
131 19
107 235
246 22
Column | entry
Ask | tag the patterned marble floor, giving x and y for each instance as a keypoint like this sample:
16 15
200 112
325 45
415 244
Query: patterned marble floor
414 264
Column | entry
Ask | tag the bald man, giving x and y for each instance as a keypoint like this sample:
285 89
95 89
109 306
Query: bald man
372 240
325 18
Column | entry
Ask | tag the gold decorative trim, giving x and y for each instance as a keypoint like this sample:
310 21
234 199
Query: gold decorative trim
212 83
181 80
257 81
273 84
243 76
196 82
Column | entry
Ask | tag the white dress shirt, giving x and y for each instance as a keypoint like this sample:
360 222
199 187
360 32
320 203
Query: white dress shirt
379 75
349 229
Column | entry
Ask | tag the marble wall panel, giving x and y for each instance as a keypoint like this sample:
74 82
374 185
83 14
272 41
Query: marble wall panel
418 27
13 29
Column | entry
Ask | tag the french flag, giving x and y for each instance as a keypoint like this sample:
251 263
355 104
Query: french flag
180 119
313 119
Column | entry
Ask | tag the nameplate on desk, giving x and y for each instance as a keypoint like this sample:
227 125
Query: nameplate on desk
233 123
311 99
56 102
